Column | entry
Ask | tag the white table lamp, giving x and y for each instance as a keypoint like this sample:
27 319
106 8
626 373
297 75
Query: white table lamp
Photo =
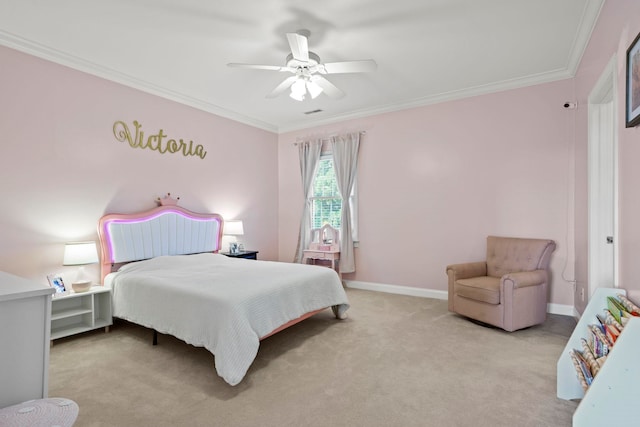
81 254
233 228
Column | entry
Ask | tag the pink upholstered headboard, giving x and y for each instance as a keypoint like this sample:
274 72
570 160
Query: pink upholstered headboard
165 230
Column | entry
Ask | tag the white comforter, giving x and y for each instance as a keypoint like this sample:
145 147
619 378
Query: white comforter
223 304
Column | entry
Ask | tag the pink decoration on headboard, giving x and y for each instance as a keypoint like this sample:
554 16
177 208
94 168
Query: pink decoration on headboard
167 200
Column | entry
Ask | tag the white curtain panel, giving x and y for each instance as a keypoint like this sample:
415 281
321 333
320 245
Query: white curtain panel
345 160
309 153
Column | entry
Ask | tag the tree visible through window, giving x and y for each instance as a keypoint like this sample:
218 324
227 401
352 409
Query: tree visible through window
326 203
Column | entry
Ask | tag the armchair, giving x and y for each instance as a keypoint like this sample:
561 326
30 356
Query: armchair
509 289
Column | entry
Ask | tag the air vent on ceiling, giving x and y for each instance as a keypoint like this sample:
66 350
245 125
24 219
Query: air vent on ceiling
313 111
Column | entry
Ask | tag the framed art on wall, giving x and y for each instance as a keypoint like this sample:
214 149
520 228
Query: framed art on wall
633 84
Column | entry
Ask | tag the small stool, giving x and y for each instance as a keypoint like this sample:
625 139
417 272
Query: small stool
54 412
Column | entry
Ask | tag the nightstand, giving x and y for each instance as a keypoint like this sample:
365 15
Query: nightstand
80 312
243 254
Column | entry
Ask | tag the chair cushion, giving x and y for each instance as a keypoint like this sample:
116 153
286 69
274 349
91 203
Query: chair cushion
484 289
512 255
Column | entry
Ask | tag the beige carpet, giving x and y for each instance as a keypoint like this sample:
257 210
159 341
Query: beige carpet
397 361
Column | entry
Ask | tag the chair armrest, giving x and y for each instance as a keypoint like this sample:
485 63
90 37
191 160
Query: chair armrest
524 298
463 271
467 270
524 279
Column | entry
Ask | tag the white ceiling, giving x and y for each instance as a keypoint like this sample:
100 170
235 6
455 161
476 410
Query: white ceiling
427 50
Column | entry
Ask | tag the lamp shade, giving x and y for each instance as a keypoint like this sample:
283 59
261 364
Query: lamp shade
233 228
313 88
80 253
298 90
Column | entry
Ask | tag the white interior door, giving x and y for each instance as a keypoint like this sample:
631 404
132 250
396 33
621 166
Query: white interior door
603 173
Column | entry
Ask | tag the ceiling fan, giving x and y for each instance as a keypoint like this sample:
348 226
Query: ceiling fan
308 70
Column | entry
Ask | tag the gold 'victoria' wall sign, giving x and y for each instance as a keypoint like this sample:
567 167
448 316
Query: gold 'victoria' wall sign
156 142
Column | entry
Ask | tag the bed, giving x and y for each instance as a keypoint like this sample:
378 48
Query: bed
166 274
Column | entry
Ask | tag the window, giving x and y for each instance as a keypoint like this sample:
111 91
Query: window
326 203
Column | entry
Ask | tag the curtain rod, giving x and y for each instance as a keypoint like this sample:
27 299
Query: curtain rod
364 132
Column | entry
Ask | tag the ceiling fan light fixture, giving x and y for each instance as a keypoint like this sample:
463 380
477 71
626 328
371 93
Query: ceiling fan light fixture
314 89
298 90
297 96
307 69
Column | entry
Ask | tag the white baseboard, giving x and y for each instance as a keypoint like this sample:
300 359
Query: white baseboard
562 309
395 289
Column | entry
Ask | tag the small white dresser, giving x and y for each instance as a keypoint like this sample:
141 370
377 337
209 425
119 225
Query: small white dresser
25 327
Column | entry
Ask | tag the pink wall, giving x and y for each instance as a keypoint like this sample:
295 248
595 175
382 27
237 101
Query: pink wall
62 167
431 162
435 181
617 26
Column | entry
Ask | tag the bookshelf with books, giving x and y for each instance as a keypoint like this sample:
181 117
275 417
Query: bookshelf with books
611 395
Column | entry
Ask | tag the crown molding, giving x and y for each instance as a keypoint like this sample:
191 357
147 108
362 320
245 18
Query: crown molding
77 63
587 24
533 80
588 21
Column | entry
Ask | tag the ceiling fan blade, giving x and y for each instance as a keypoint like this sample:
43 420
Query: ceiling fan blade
327 87
286 84
299 46
362 66
261 67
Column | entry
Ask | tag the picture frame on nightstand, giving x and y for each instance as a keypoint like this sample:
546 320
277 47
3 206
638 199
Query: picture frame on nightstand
56 282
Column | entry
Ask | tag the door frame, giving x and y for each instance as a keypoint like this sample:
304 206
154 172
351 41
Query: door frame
603 94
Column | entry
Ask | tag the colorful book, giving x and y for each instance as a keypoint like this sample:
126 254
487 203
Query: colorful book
608 318
629 305
582 368
612 333
599 342
594 367
616 309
